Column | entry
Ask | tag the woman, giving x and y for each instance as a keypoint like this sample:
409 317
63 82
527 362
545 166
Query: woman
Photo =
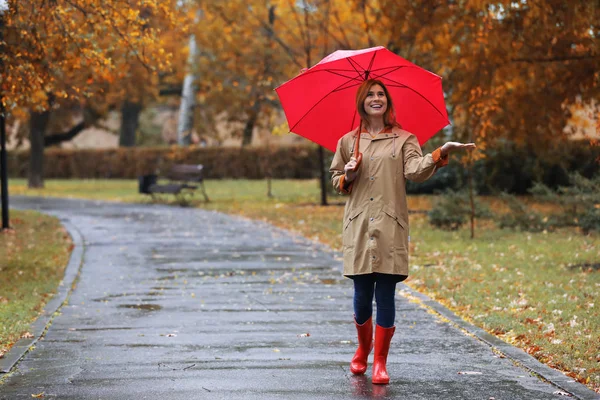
375 226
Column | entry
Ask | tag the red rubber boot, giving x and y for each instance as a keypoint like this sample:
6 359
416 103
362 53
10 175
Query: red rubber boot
383 337
358 365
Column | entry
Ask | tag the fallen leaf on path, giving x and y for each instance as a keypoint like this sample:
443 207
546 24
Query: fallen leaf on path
561 393
304 334
469 373
38 396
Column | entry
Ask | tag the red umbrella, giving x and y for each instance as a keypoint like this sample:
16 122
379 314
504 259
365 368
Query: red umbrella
319 104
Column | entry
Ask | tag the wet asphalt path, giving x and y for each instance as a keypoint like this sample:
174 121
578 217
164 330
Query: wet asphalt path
178 303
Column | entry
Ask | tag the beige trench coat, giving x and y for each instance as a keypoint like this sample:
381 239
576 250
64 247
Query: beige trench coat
375 226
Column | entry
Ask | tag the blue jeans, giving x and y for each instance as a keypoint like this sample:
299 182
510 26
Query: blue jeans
384 289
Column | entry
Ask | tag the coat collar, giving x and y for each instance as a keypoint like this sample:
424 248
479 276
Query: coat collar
387 133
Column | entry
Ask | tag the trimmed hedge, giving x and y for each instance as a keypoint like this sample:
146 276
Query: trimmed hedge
509 169
296 162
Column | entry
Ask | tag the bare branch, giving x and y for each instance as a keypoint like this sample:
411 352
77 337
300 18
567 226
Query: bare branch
57 138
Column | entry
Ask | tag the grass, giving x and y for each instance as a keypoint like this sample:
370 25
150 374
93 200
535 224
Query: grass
33 257
535 290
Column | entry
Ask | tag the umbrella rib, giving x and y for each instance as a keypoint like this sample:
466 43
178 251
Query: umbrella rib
350 85
354 64
310 71
316 104
353 78
390 70
402 85
368 70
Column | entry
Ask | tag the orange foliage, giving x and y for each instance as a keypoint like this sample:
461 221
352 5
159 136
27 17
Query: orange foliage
509 67
71 50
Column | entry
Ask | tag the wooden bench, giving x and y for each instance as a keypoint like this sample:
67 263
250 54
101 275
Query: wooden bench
182 181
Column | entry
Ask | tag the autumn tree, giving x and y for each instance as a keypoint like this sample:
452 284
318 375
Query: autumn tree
249 48
238 62
60 54
511 68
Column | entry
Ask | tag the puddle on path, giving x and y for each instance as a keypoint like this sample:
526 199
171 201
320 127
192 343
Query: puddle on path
118 328
143 307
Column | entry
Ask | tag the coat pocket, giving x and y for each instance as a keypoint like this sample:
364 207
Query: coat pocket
350 229
396 229
351 217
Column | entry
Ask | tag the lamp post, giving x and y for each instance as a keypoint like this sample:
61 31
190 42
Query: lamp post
3 163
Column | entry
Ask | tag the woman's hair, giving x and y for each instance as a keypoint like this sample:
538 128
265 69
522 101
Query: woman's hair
389 117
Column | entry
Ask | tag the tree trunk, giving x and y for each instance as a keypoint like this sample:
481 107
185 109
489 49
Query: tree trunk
472 200
269 188
323 176
38 122
3 165
249 128
130 119
471 170
188 94
3 155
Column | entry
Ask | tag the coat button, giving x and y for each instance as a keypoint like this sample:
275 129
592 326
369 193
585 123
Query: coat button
371 199
371 219
372 178
372 238
372 158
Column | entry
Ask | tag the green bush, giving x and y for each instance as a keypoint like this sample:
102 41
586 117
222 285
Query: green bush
579 206
451 210
521 217
579 202
590 220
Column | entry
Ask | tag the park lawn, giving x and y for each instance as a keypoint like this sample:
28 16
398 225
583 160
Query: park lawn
33 257
535 290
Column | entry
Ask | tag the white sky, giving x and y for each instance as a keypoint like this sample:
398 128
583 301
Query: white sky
3 5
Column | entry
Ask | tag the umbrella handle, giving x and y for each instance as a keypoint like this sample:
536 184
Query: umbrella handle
358 160
358 154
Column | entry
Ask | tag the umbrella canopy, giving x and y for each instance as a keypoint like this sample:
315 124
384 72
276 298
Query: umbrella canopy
319 104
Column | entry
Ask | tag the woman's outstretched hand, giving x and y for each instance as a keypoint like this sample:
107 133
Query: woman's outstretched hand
449 147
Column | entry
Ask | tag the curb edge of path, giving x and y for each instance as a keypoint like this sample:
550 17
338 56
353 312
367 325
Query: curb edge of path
44 320
518 356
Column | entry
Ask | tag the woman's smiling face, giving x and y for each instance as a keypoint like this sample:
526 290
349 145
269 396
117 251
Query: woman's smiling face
376 102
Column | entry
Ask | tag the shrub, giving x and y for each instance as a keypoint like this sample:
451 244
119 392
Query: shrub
579 202
590 220
520 217
579 206
451 210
